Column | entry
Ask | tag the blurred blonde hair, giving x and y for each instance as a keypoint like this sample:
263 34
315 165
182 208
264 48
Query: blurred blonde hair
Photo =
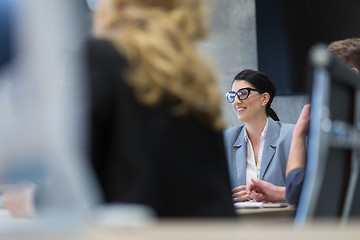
157 38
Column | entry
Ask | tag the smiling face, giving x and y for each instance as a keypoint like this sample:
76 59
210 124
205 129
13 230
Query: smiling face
253 107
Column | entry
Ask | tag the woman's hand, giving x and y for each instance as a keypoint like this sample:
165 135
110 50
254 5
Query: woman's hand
262 191
240 194
18 199
297 154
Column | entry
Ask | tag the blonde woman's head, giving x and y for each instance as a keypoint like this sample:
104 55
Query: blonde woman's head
157 39
187 15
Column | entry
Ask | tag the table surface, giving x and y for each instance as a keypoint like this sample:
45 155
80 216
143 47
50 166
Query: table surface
156 229
290 210
204 229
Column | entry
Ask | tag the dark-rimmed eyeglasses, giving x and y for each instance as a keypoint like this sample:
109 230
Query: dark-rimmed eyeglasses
242 94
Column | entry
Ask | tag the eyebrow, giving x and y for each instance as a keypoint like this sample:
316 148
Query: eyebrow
240 88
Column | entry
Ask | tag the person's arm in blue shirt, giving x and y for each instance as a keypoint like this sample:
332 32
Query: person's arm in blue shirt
294 182
295 169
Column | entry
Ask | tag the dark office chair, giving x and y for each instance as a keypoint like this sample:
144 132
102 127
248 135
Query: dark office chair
328 190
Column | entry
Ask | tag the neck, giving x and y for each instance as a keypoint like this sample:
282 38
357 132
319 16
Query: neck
255 127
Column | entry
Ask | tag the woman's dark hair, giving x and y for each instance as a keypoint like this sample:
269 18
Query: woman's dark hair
263 84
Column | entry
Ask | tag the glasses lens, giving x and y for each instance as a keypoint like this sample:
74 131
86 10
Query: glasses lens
230 96
243 94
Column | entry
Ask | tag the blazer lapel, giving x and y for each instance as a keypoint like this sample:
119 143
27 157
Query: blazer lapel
240 148
269 146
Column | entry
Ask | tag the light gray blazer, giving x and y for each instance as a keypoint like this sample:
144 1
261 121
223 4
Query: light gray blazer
275 155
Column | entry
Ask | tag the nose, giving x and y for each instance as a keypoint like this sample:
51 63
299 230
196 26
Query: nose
236 101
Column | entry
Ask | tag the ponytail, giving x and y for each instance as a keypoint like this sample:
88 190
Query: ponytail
270 112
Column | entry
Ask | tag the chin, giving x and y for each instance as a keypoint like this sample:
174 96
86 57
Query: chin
241 118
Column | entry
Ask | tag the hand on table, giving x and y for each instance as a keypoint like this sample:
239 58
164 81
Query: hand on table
240 194
18 199
262 191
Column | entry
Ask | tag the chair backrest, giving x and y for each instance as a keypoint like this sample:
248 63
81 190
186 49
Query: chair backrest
333 138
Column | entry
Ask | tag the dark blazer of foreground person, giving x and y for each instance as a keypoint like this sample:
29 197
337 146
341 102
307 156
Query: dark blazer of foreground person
143 154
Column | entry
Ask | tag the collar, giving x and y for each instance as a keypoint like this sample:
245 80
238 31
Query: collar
263 133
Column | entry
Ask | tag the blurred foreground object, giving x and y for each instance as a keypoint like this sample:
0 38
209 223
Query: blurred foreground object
155 123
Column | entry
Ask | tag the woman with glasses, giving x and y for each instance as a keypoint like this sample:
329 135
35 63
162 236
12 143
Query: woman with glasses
259 149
